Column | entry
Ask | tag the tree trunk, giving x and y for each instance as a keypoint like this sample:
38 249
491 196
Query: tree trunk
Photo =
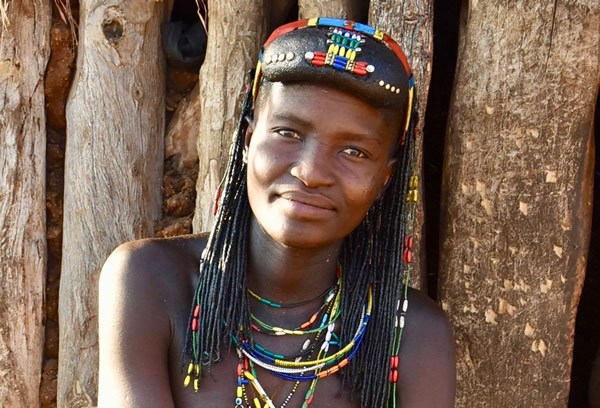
236 31
411 24
113 169
24 53
517 197
347 9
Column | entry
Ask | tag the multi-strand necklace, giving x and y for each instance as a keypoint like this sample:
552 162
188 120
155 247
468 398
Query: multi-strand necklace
320 355
320 330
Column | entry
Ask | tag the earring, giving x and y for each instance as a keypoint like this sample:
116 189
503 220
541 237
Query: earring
245 155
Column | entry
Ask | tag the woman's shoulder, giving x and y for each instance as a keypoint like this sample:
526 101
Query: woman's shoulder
145 290
424 315
427 355
153 264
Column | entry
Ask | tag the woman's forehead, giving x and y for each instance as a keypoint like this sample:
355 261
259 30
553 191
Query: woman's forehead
316 105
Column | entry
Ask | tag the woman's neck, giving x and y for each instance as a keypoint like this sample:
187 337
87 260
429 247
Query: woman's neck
288 275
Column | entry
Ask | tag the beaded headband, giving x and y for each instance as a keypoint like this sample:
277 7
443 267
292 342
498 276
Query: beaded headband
351 56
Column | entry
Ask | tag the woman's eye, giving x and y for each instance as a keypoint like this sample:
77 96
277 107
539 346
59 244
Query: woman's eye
354 152
288 133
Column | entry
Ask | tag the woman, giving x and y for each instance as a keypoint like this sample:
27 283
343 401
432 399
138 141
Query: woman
300 299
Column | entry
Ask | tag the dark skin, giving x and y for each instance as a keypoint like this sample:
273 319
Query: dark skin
317 160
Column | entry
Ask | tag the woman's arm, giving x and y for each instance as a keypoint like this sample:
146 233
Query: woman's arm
427 356
134 330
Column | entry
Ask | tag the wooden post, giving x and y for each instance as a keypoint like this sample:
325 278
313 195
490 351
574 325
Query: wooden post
411 24
517 197
113 169
24 53
348 9
236 31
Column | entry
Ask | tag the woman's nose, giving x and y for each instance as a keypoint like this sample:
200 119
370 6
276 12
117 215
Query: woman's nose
313 167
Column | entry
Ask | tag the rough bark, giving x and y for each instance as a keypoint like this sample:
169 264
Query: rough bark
348 9
113 169
410 23
516 197
24 53
236 31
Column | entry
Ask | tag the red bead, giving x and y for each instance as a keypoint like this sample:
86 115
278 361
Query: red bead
394 376
216 201
408 242
407 256
240 370
195 325
197 311
394 361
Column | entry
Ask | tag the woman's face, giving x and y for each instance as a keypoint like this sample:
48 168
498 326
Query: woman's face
317 160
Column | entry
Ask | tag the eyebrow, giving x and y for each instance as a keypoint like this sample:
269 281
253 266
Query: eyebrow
291 116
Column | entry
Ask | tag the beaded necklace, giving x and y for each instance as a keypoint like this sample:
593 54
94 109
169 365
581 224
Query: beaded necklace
292 305
296 368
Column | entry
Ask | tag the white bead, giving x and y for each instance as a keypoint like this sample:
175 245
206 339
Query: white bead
306 344
328 336
325 347
405 305
401 321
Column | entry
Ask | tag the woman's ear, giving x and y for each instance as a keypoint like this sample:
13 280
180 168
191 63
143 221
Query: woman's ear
389 170
250 124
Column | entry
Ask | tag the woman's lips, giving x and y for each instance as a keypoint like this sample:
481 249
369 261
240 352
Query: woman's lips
309 205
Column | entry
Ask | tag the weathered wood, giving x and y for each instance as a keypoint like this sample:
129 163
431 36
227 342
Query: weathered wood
348 9
236 32
24 53
113 169
516 197
182 133
411 24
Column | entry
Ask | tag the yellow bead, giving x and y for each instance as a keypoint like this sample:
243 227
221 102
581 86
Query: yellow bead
378 34
248 376
239 392
196 385
414 182
257 403
187 380
190 368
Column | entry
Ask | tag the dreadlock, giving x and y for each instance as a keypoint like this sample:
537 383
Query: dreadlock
371 256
